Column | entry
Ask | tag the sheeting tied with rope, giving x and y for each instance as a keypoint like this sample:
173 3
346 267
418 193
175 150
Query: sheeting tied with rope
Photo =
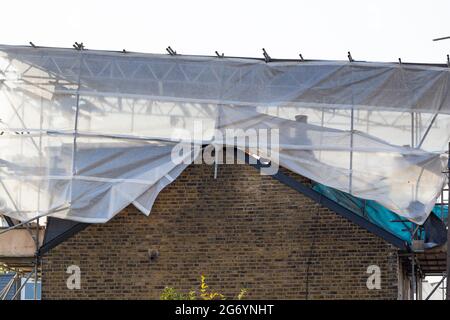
86 133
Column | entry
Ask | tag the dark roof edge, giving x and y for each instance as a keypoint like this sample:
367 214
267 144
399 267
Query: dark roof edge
332 205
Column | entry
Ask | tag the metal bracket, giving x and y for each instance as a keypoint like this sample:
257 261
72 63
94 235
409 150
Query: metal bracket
171 51
267 58
349 56
78 46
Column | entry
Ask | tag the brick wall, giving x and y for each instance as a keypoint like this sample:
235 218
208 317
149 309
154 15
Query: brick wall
242 230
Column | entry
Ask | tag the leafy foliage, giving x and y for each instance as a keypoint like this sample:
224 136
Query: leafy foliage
171 294
204 293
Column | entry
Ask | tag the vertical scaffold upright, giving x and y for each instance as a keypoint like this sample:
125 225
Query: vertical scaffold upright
448 226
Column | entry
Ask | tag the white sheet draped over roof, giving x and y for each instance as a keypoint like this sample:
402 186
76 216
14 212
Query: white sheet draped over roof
85 133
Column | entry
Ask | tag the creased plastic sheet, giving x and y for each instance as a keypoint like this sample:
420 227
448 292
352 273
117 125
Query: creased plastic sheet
403 179
108 177
86 133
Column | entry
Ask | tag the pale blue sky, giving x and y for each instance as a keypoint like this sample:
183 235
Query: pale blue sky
379 30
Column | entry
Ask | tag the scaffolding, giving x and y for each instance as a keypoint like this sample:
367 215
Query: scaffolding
90 107
24 258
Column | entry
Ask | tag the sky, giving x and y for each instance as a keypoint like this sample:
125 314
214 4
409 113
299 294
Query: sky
378 30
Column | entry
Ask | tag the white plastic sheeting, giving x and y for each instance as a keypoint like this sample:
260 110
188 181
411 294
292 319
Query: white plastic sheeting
86 133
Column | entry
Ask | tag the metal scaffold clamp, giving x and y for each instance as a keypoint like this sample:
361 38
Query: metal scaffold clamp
349 56
171 51
78 46
267 58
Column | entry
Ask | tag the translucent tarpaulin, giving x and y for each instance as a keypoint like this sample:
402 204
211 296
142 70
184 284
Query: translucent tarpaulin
85 133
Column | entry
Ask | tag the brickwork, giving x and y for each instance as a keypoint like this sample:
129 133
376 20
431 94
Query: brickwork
242 230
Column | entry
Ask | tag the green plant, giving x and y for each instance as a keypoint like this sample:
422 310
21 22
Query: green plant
171 294
204 293
241 294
